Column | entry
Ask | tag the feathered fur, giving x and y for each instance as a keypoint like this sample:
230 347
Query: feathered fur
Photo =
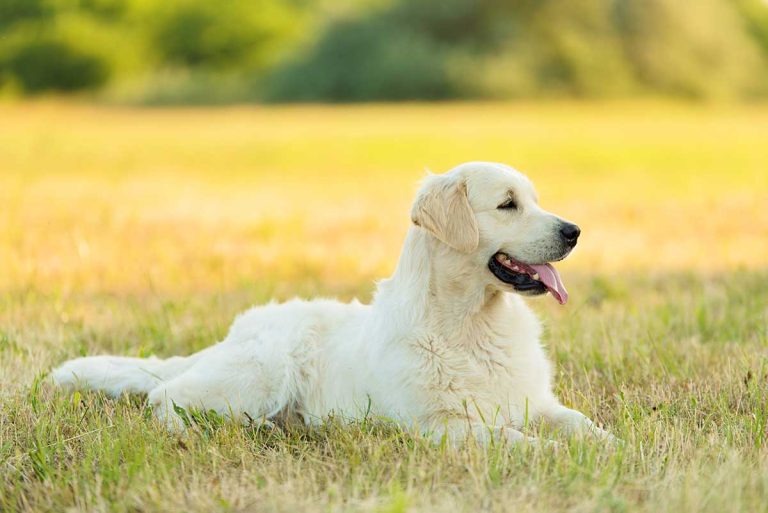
445 347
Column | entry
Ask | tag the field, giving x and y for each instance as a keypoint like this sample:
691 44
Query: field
144 231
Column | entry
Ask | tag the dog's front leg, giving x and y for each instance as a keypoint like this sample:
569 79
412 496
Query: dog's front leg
575 423
457 432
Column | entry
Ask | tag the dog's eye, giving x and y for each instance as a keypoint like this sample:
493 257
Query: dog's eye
509 205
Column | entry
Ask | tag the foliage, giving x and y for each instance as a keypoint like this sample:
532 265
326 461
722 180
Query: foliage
355 50
491 48
86 44
755 15
50 63
234 33
13 12
707 55
364 61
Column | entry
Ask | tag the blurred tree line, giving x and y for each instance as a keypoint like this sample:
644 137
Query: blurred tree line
193 51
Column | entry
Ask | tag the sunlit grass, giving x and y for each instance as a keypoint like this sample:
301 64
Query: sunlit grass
145 231
111 199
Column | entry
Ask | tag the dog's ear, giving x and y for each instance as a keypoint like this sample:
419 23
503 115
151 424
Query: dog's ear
442 208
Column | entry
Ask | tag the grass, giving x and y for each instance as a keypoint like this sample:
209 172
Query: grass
145 231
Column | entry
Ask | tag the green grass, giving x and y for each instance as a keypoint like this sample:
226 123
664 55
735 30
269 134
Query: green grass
677 369
139 232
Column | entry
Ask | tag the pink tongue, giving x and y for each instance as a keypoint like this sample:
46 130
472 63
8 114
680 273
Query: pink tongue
549 277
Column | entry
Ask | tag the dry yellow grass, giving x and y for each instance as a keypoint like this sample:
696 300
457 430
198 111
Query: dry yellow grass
112 198
138 231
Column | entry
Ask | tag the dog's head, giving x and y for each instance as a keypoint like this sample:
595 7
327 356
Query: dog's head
487 214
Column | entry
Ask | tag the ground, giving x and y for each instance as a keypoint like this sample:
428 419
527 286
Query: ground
144 231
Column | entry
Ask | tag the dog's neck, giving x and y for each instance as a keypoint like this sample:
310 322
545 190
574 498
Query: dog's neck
432 288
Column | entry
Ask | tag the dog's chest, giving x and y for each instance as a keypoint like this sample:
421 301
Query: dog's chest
456 372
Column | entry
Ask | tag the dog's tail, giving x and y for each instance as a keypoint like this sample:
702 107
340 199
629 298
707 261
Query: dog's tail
116 375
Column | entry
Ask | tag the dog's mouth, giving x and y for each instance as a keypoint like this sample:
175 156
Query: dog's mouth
530 279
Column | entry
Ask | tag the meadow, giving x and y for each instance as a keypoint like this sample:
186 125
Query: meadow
144 231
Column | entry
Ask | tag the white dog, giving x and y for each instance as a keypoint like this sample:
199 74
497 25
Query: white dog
448 346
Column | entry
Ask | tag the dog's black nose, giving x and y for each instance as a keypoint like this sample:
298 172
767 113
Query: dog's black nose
570 233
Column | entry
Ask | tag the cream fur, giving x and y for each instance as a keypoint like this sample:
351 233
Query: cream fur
445 348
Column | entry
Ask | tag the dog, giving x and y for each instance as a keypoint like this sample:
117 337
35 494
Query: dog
447 348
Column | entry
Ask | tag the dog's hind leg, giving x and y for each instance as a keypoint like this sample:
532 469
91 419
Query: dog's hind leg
116 375
242 381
